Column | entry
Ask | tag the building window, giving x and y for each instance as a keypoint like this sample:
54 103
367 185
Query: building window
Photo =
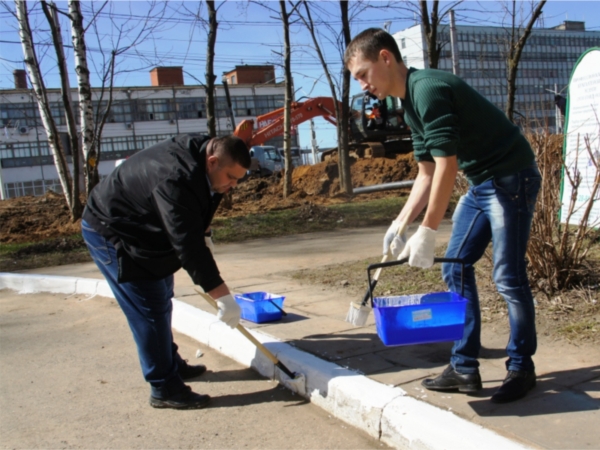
154 109
243 106
403 43
267 103
120 111
35 187
191 108
19 114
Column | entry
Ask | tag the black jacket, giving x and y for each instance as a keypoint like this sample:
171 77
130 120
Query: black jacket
155 208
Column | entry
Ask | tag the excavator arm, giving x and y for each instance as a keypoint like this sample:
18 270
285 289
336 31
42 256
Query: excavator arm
270 125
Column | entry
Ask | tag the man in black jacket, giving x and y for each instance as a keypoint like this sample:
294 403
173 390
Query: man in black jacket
147 219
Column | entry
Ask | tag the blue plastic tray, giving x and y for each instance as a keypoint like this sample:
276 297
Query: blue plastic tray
259 307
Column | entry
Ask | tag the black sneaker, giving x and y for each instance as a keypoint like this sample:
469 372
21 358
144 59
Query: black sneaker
185 399
515 386
451 380
187 371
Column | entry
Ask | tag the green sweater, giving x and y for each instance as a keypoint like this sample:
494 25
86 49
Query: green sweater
448 117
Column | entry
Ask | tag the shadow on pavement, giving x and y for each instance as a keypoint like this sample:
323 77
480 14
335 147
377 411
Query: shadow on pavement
550 396
276 394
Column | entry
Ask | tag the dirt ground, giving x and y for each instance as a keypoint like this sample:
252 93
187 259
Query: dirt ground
32 219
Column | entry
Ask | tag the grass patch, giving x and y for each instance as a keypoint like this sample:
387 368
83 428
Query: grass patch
395 280
307 219
584 330
47 253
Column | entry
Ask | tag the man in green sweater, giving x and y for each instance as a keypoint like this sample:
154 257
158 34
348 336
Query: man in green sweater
455 128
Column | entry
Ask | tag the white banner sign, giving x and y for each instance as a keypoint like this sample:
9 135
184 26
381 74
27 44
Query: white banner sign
583 131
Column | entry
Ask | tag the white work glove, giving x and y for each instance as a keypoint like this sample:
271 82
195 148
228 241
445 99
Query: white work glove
392 242
209 242
229 310
420 248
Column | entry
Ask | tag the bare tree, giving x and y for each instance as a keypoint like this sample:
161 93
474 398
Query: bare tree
434 48
515 43
210 25
344 160
285 16
289 96
340 89
86 119
210 74
86 141
430 23
310 26
125 36
37 82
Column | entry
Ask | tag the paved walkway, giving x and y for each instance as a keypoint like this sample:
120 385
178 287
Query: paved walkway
563 411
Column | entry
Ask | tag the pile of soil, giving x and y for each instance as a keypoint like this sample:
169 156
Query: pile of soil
32 219
317 184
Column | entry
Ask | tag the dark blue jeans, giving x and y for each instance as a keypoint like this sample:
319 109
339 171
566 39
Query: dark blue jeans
148 308
499 210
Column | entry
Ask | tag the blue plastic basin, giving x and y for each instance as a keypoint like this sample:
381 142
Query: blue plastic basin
420 318
259 307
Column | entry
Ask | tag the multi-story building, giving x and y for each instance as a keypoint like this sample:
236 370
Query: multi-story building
139 117
546 63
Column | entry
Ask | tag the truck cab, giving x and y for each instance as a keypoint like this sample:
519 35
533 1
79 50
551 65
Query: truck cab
296 158
265 160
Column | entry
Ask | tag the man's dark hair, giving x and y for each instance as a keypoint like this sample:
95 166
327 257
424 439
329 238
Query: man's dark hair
370 42
232 148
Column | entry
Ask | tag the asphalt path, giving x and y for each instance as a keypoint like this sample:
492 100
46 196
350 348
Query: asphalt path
70 378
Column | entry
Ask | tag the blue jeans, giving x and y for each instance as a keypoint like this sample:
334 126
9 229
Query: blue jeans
499 210
148 308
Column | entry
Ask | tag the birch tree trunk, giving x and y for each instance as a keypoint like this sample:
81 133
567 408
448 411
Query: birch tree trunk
86 119
65 92
37 83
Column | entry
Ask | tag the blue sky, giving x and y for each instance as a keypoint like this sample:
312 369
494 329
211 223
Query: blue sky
251 34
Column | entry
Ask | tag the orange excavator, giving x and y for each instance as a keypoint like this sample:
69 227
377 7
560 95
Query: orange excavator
389 135
270 125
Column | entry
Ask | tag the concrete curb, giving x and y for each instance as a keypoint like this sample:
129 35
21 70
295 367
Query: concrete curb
384 412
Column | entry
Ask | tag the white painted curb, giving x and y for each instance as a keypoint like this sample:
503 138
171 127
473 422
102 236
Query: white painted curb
384 412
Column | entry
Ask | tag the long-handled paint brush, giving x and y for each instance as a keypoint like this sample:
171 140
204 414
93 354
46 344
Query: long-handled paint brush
358 314
296 381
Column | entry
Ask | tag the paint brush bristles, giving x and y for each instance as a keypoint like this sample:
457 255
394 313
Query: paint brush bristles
358 314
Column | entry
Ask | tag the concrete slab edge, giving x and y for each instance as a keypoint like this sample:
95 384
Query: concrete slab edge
384 412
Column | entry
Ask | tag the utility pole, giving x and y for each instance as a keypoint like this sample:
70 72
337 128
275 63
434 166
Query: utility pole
557 115
313 141
454 44
229 108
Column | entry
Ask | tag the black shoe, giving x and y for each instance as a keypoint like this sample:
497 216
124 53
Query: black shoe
451 380
185 399
187 371
515 386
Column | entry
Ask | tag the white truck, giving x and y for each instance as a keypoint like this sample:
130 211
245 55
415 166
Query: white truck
265 160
